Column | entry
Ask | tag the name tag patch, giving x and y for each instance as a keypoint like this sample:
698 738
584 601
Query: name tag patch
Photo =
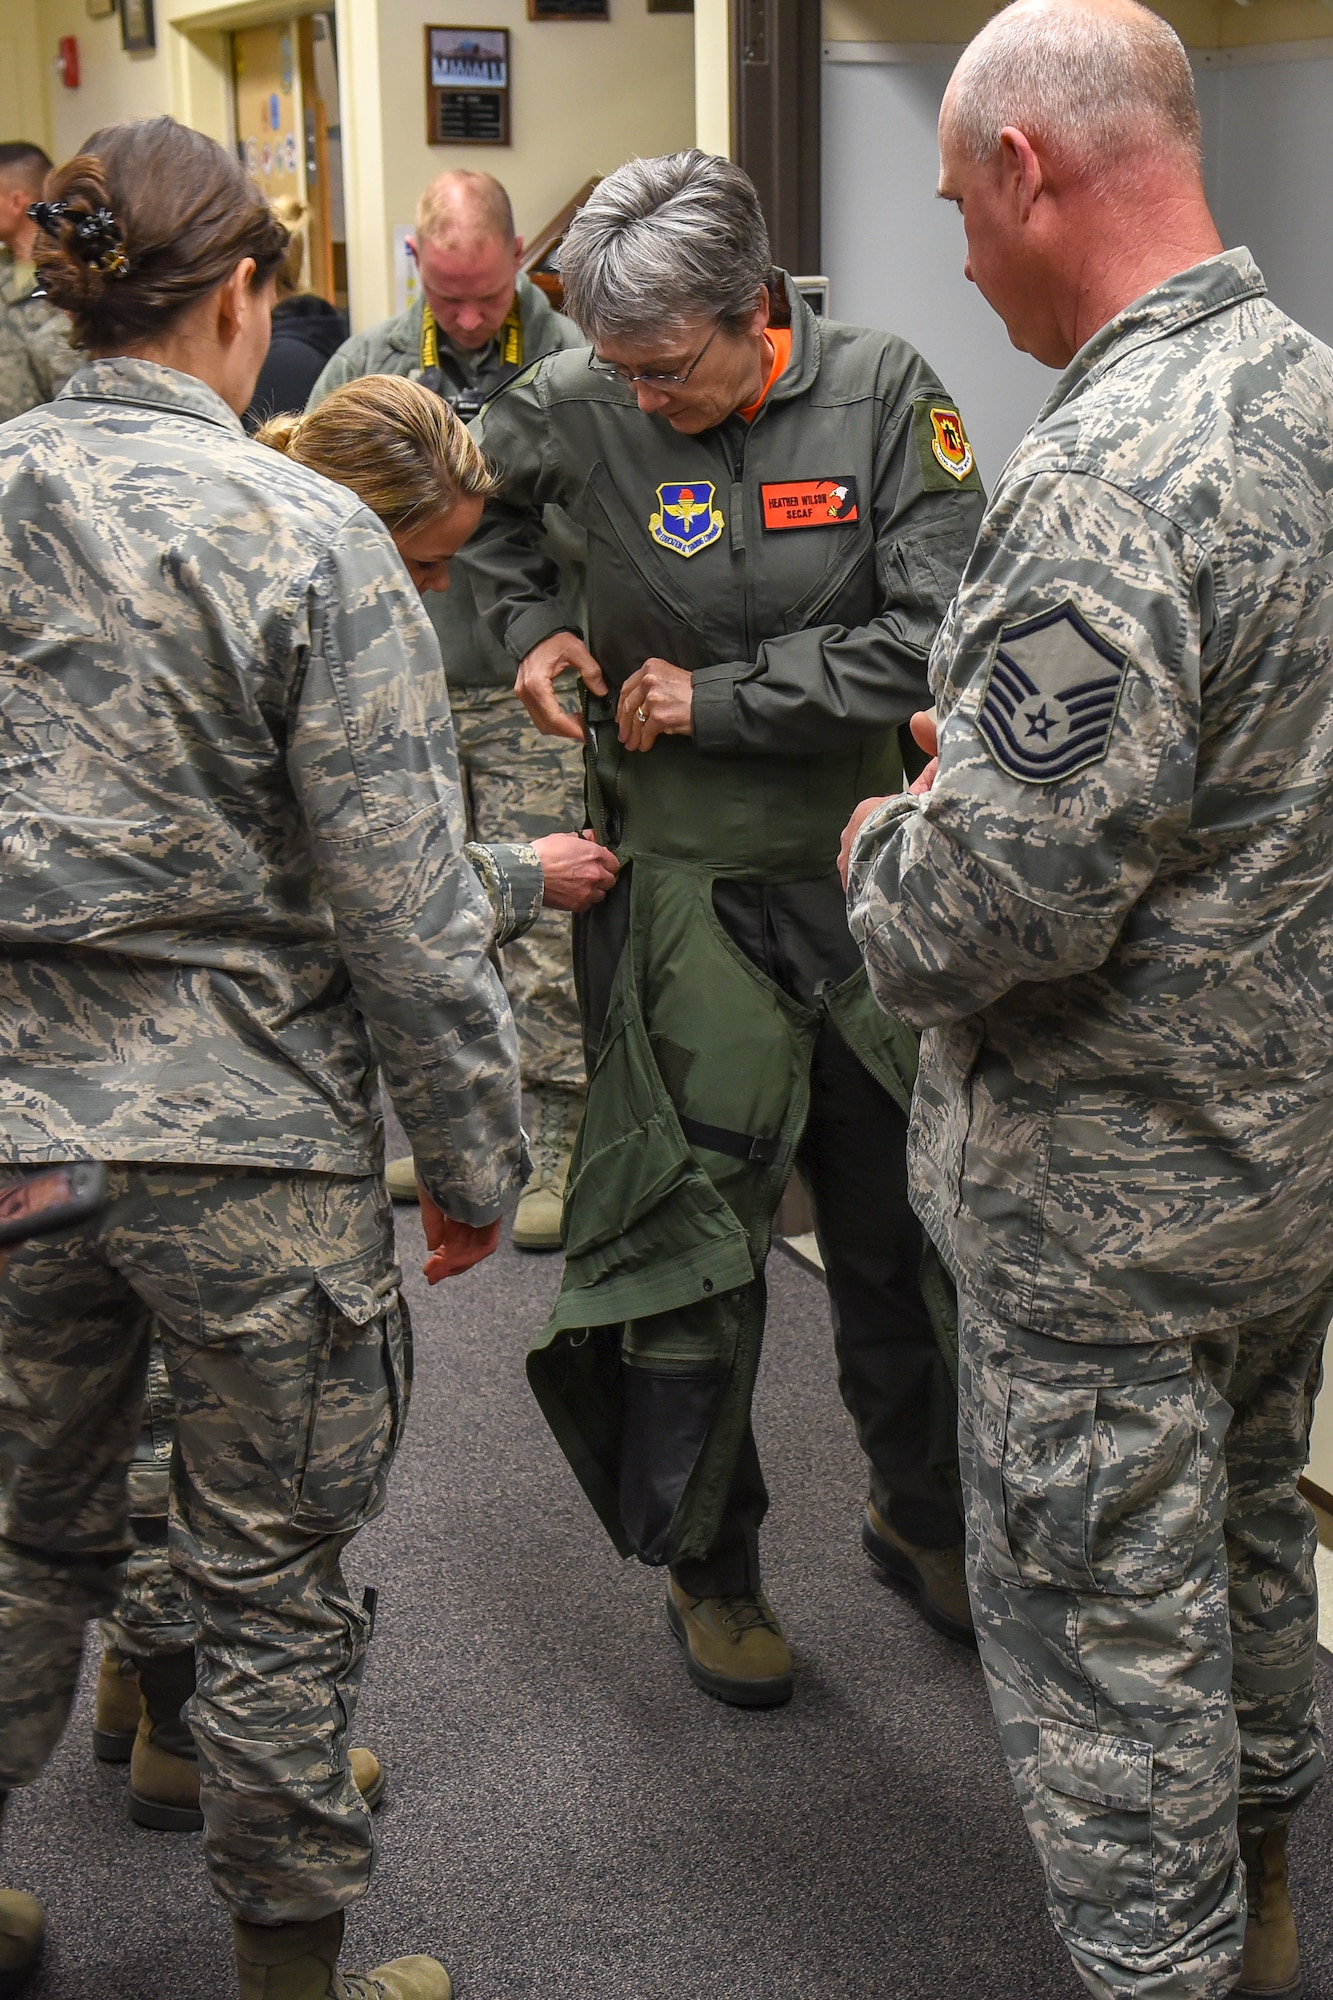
810 503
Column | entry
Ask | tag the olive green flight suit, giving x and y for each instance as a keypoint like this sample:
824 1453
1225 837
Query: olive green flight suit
798 567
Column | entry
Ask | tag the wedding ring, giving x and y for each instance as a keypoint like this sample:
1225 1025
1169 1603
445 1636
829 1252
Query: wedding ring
639 715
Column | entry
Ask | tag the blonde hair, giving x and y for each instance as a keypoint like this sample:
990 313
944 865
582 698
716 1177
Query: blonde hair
397 445
466 204
292 213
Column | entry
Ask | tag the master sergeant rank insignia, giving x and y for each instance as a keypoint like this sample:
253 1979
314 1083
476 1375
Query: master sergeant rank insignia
1050 699
686 519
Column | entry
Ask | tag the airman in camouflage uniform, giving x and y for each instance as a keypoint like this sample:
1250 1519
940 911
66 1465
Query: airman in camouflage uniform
514 780
1112 917
233 838
36 356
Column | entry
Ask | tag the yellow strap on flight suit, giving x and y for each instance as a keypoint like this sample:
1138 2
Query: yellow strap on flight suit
511 338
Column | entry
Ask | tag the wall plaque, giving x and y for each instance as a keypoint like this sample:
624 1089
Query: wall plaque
467 86
568 10
138 31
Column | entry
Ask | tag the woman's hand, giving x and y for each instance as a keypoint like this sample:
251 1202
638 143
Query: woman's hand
454 1246
538 673
850 831
657 701
576 872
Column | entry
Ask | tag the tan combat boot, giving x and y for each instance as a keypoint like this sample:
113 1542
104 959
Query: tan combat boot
1271 1967
164 1768
300 1962
734 1648
559 1108
22 1931
116 1720
164 1784
938 1576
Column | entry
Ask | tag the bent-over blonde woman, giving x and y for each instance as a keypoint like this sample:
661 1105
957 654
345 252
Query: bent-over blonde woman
405 454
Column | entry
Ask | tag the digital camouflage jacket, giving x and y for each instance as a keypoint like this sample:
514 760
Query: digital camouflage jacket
36 358
1114 912
231 821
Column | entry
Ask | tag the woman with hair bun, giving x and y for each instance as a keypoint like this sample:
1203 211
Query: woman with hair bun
235 893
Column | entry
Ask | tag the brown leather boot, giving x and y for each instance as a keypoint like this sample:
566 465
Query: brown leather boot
300 1962
116 1720
937 1576
734 1648
1271 1967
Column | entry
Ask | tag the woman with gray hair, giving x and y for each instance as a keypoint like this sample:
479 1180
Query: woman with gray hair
777 511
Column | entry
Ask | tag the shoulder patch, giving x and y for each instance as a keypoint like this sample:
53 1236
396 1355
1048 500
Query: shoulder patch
943 447
1050 698
687 518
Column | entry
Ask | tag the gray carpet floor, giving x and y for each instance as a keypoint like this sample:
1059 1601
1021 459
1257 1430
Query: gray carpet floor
567 1816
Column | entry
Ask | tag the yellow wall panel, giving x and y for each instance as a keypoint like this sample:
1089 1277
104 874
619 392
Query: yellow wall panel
23 58
1201 24
1276 21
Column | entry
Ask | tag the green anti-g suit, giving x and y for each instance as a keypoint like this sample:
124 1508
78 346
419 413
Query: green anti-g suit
798 567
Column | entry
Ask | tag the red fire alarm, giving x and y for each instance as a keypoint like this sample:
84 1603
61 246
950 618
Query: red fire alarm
68 61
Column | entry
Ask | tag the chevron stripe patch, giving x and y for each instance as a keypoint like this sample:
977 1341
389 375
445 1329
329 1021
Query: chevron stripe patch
1051 695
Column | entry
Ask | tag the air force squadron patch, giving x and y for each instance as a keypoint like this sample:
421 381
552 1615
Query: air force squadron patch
686 519
1050 698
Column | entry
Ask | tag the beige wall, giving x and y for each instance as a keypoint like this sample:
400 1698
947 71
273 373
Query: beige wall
586 95
23 113
114 85
1201 24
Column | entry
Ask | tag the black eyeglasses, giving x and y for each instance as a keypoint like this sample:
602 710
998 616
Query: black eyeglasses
627 375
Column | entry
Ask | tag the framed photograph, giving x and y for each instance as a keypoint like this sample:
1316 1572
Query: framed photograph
467 86
138 31
568 10
670 6
98 10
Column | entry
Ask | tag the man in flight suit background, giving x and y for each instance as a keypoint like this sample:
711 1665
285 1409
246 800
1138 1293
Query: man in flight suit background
1112 912
477 322
777 511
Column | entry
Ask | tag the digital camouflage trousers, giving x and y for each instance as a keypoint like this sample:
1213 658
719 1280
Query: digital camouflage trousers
288 1354
521 785
1142 1575
152 1615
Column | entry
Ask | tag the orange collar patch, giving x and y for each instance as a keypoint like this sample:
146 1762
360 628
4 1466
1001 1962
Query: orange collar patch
810 503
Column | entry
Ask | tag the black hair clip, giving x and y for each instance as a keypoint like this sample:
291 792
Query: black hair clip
99 240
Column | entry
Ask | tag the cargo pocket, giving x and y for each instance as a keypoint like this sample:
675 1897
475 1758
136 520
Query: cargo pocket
357 1387
1093 1821
1089 1487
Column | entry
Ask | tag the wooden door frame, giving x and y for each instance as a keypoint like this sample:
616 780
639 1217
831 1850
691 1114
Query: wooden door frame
776 50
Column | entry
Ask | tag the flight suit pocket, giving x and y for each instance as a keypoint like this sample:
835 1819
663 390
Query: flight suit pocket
1094 1805
1089 1486
358 1386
